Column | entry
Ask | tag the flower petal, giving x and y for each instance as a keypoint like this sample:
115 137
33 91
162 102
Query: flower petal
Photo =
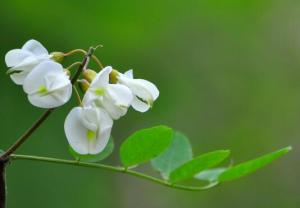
88 99
36 77
18 78
35 48
76 132
104 132
140 87
56 81
62 96
89 118
129 73
15 57
51 100
46 101
113 110
102 78
139 105
121 94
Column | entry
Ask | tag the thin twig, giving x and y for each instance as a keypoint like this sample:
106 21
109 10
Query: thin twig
114 169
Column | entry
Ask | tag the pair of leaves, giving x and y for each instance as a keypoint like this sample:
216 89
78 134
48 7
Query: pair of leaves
177 164
242 169
174 153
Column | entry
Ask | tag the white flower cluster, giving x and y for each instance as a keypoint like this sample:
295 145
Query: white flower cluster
87 127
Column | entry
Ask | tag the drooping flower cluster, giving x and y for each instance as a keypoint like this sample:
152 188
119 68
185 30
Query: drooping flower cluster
108 94
45 81
104 102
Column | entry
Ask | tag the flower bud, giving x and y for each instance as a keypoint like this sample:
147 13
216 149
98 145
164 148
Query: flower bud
57 56
89 75
113 76
83 85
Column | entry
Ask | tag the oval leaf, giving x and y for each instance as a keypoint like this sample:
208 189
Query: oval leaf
251 166
179 152
94 158
145 144
198 164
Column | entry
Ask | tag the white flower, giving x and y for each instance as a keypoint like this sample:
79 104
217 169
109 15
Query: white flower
145 92
23 60
47 85
114 98
88 129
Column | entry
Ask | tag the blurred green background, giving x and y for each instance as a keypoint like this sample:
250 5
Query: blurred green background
229 76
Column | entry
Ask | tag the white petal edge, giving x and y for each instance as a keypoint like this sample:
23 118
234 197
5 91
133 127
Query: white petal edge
129 73
18 78
113 110
149 86
76 132
102 78
139 105
35 48
140 87
121 94
15 57
101 141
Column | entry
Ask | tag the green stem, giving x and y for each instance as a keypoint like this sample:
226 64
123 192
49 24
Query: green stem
74 52
81 51
72 65
77 96
114 169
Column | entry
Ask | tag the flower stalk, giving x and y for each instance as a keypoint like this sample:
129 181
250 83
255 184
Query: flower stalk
113 169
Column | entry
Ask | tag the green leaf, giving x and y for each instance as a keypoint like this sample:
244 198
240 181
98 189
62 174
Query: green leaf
251 166
179 152
210 175
145 144
94 158
198 164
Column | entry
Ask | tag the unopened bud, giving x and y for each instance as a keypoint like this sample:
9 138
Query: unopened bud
57 56
89 75
83 85
113 76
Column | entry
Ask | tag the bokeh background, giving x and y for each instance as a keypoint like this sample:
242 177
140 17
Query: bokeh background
229 76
